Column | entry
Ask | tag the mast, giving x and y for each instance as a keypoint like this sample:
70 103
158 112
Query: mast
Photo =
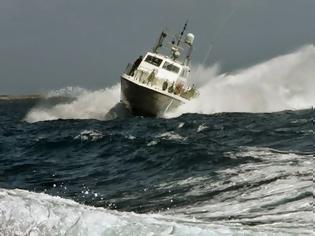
177 45
182 33
159 43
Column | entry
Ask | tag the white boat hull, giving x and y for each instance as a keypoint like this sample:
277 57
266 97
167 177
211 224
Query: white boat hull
140 99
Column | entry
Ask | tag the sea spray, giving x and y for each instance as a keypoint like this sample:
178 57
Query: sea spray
68 91
85 105
283 83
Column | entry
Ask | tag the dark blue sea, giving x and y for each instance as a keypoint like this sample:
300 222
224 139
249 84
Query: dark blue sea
215 174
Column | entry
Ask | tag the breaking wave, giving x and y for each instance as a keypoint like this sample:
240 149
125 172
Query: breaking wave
26 213
278 202
283 83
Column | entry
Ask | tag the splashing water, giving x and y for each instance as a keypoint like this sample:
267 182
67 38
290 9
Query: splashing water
58 216
283 83
86 105
67 92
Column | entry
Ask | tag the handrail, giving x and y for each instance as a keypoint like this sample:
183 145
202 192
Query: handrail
147 78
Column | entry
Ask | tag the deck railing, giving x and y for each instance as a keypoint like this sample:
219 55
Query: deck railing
152 80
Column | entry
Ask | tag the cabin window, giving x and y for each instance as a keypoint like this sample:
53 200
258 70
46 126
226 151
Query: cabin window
153 60
170 67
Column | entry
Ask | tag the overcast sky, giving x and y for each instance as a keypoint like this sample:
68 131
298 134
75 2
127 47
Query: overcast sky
50 44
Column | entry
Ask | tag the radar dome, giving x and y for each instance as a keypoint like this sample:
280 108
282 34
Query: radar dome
190 39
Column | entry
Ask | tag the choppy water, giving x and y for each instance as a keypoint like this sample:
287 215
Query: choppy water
228 173
216 168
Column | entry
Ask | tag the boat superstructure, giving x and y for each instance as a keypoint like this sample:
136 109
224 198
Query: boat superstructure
158 82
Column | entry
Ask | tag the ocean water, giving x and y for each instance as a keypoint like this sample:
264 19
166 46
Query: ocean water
238 160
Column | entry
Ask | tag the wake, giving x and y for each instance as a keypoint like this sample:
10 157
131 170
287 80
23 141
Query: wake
283 83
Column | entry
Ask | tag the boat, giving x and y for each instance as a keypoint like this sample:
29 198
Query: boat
158 82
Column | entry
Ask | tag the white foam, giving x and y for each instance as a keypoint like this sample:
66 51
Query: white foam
282 83
171 135
274 192
87 105
152 143
201 128
180 125
89 135
27 213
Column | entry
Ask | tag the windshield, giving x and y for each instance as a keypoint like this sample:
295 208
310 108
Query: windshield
153 60
170 67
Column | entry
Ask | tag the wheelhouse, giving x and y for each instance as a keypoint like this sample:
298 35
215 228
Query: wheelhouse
163 66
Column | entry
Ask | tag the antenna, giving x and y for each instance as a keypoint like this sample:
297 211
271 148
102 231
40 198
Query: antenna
182 33
159 43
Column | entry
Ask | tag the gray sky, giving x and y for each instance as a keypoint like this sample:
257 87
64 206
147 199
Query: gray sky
50 44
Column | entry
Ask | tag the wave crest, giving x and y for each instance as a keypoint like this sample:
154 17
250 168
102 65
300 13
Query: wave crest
27 213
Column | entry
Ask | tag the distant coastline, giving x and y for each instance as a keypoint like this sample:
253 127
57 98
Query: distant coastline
19 97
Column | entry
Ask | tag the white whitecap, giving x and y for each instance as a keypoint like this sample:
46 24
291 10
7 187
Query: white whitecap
28 213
